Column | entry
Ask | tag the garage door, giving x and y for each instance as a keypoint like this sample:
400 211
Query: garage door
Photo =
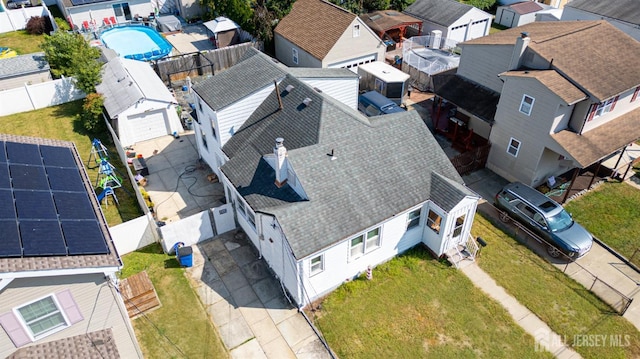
352 64
146 126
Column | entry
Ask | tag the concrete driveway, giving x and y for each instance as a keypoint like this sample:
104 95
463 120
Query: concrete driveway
599 263
247 304
178 181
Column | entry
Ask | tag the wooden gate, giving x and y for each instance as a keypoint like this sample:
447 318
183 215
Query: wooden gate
472 160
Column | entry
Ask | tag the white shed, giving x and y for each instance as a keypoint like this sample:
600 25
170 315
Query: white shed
384 78
457 21
137 101
518 14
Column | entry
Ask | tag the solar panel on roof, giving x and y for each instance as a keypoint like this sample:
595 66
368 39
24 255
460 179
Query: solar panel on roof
7 208
84 237
11 246
57 156
35 205
3 153
73 205
5 180
23 153
28 177
42 238
65 179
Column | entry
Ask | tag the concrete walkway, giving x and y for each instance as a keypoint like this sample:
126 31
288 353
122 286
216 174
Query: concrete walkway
543 335
246 303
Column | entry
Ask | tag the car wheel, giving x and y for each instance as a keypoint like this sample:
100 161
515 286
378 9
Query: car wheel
504 217
553 251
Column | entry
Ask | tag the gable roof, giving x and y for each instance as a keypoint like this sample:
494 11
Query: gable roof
125 82
593 145
221 24
315 26
525 7
253 72
23 65
554 82
100 344
383 20
441 12
624 10
380 169
594 55
53 176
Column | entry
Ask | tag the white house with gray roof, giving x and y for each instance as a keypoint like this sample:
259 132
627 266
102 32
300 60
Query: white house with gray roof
324 192
222 109
137 102
457 21
24 69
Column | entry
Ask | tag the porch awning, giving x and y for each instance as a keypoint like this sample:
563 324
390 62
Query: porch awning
602 141
468 95
386 20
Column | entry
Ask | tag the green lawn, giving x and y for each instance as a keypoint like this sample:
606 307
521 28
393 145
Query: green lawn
495 27
565 305
611 212
22 42
417 307
180 328
60 122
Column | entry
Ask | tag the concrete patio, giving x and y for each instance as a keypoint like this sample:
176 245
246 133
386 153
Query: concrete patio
177 182
246 303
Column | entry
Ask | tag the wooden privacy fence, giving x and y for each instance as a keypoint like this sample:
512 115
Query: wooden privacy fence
196 64
472 160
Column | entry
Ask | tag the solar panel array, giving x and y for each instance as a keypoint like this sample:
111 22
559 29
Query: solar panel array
45 209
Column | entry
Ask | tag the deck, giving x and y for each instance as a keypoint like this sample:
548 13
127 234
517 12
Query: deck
139 294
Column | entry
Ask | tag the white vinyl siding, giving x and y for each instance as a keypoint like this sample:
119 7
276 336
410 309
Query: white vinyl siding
413 218
364 243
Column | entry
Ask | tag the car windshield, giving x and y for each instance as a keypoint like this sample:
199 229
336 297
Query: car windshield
560 221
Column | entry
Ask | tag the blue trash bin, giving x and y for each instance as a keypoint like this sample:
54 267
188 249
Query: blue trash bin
185 256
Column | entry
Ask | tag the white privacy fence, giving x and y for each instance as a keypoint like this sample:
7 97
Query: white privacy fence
37 96
16 19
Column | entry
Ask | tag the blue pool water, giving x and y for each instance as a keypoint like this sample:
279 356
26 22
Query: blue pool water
136 42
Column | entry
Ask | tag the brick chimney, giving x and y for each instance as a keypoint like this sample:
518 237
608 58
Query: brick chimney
280 153
521 45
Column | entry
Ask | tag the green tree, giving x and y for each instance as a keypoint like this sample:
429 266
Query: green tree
70 55
91 115
400 5
480 4
240 11
375 5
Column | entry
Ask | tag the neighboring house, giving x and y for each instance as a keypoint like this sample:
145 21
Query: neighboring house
58 297
324 192
392 25
222 109
139 105
457 21
623 14
518 14
23 69
568 96
317 33
95 11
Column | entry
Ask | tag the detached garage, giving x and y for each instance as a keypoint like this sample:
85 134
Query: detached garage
138 103
458 22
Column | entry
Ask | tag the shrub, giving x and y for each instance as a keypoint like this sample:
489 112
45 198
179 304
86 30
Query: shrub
38 25
62 24
91 115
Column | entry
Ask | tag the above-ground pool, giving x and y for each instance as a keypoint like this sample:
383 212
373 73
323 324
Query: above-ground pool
136 42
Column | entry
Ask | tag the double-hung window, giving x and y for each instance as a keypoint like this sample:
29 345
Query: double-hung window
42 316
526 104
514 147
364 243
433 221
413 219
603 107
317 264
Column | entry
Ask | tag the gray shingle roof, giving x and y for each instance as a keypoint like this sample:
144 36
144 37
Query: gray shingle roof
93 345
23 64
625 10
447 193
384 166
252 73
308 72
442 12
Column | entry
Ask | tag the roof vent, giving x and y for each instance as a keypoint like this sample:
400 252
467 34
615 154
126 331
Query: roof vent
317 89
289 88
524 34
306 101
